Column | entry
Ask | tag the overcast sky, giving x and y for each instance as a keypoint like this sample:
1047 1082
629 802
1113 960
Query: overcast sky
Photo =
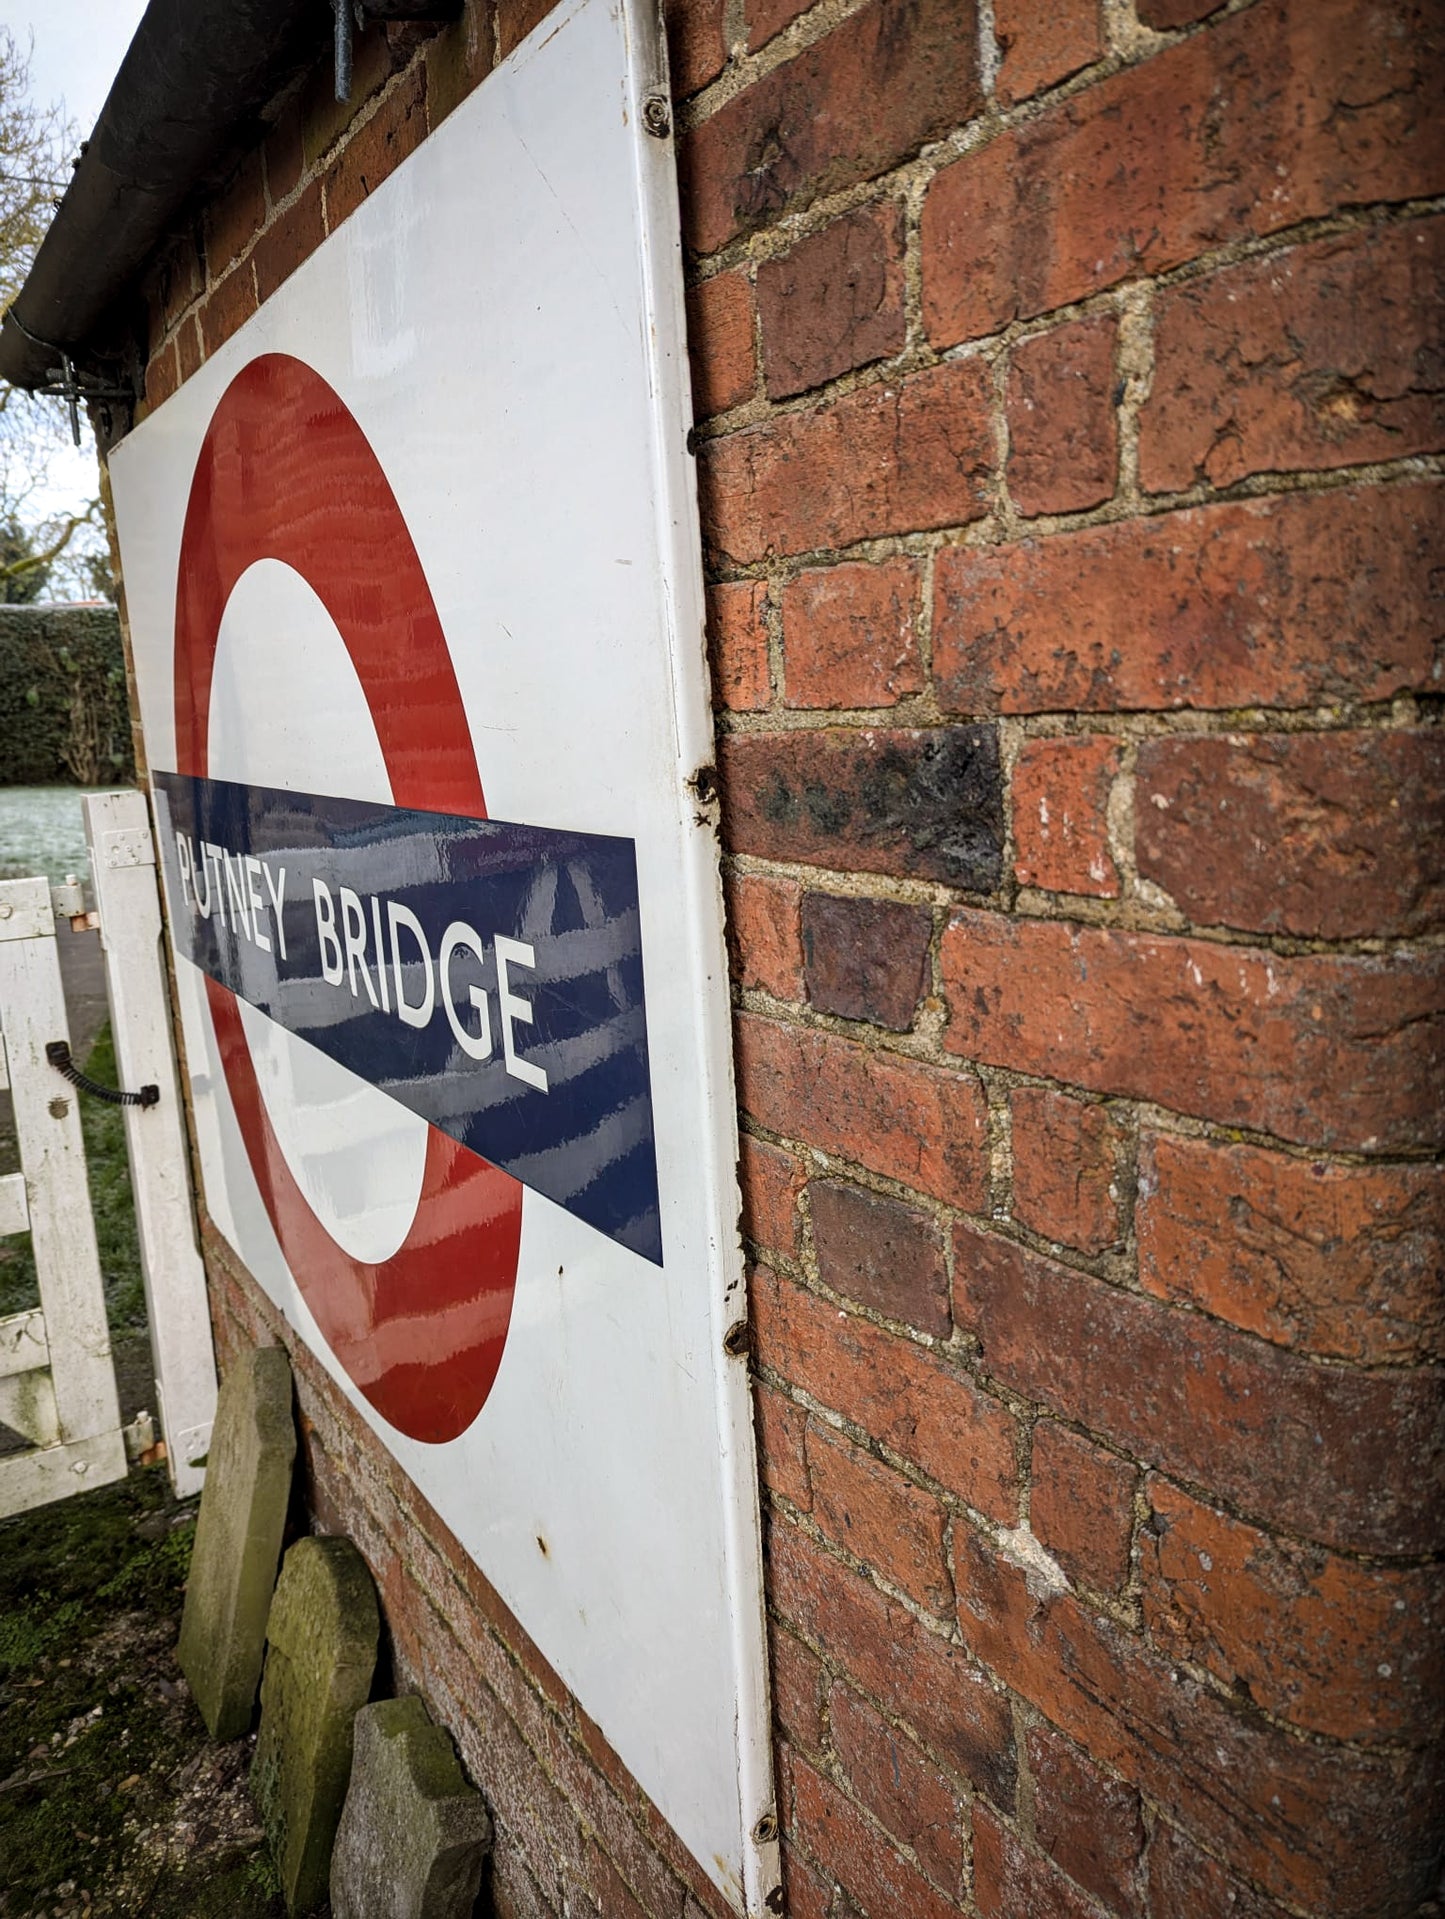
78 46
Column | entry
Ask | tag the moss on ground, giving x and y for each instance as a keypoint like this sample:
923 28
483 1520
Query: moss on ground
113 1802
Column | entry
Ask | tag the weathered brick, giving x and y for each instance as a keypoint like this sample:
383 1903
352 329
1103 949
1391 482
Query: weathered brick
771 1181
920 1407
866 959
1343 1053
1354 1652
765 18
896 456
1087 1822
1352 1459
228 306
1038 47
1061 815
163 375
1082 1505
1011 1882
1322 835
809 1895
763 934
797 1687
284 154
908 1796
291 237
720 343
927 1681
1062 424
835 302
894 1528
696 45
1066 1168
780 1441
925 1127
1184 1879
458 59
738 645
1323 355
516 19
1290 602
1164 15
235 216
835 1833
189 350
1136 174
377 148
325 120
798 132
881 1253
1329 1829
850 636
1338 1260
919 803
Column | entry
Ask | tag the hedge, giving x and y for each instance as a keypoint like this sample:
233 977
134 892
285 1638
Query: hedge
63 712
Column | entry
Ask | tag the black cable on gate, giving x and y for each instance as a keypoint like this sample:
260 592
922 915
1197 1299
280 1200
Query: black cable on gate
58 1053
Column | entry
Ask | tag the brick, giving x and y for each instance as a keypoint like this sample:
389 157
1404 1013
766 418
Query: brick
835 302
738 645
284 154
835 1833
720 343
227 306
1088 1823
375 150
1061 815
918 1406
1163 15
235 215
914 1675
1321 356
516 19
797 132
1291 602
921 1125
780 1441
1082 1506
163 375
293 236
808 1896
1011 1882
881 1253
894 1528
1343 1261
1326 1828
1134 175
1066 1168
1063 428
1038 47
188 345
866 959
1354 1652
920 803
1320 835
325 120
764 936
910 1798
1354 1460
895 456
1344 1053
696 44
771 1181
797 1690
1184 1879
850 636
458 59
766 18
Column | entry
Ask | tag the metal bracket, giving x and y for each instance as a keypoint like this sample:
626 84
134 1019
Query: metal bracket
57 1051
69 386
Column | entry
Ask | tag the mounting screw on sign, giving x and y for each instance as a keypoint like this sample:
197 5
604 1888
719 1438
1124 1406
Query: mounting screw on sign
657 116
738 1339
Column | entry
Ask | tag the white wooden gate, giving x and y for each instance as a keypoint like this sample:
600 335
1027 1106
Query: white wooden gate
57 1382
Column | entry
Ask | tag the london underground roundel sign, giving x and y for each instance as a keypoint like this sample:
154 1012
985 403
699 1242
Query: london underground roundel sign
413 586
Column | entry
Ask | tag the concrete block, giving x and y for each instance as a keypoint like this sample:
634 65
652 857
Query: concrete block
414 1836
238 1541
320 1656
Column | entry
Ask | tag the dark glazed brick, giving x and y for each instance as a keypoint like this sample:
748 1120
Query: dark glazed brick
865 959
881 1253
835 302
923 804
871 92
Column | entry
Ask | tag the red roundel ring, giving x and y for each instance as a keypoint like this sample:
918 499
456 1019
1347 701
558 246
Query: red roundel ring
285 473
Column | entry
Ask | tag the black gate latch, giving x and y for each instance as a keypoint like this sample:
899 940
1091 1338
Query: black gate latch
58 1053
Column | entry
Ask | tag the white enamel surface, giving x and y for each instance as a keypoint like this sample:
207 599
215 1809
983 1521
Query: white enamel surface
503 318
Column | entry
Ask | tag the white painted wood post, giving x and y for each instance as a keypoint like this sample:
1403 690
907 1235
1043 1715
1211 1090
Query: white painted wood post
75 1418
123 869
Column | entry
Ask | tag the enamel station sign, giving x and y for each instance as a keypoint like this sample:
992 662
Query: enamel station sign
413 579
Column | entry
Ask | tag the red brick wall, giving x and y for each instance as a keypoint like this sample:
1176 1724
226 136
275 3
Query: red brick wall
1068 385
